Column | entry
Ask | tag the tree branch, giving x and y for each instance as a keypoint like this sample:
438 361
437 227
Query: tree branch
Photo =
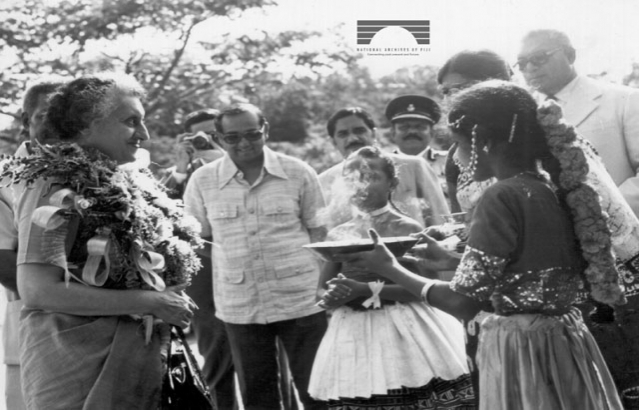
159 90
15 116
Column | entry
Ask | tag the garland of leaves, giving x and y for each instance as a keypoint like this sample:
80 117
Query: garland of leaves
590 219
128 208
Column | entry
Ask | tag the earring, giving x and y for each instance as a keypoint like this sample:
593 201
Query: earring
472 166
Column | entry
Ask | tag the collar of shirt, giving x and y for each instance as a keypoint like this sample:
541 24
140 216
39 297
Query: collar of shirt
271 165
564 94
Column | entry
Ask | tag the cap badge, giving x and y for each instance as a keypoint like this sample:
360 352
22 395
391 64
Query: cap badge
410 108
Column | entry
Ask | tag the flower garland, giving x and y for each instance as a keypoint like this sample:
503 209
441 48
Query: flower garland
130 234
590 219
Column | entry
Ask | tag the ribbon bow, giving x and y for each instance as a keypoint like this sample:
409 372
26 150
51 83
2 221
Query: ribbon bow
376 287
148 262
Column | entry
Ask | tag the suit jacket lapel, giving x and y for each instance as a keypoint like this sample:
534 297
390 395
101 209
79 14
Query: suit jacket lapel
583 101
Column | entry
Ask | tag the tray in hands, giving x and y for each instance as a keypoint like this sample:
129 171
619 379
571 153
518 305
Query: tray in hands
327 251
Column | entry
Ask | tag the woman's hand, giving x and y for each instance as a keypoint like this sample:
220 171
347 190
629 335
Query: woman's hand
434 232
173 306
431 257
380 260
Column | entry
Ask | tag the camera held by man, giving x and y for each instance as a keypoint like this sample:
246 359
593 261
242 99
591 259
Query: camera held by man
194 148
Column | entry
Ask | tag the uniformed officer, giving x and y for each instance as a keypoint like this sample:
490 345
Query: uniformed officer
412 119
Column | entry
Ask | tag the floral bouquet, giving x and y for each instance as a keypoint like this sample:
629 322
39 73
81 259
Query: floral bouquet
106 226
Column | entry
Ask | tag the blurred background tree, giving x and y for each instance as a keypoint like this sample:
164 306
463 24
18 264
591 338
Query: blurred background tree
191 54
295 77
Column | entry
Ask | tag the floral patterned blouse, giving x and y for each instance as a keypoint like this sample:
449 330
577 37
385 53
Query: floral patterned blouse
522 254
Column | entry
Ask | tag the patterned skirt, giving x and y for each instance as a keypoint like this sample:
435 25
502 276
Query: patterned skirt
403 355
437 395
532 361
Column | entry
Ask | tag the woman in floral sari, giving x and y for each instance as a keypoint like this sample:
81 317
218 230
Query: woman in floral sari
535 242
103 255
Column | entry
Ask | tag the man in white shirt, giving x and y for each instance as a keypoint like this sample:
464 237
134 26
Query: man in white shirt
259 208
605 114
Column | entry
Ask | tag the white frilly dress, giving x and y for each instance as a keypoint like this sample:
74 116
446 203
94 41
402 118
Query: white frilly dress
366 352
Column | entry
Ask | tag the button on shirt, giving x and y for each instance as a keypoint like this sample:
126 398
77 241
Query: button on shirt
261 272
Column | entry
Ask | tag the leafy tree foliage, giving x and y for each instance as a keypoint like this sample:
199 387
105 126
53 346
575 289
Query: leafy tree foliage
296 79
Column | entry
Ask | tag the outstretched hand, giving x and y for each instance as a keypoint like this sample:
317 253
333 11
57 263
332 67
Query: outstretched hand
379 260
430 256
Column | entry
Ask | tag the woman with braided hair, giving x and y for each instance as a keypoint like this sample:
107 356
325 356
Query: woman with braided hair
530 253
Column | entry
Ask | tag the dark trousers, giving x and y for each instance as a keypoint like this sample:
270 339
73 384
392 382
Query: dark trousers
212 341
255 357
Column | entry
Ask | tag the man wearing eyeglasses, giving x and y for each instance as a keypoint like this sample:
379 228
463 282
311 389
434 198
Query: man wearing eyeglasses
259 208
606 114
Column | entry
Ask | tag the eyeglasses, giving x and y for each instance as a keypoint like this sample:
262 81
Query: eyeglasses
251 136
537 59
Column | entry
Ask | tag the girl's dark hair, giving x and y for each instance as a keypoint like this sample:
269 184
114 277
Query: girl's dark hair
478 65
388 166
497 109
85 100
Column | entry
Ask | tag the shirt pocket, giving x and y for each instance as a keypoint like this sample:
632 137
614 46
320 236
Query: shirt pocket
279 210
224 219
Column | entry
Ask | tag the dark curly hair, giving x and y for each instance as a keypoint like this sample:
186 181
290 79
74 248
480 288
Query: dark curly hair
196 117
478 65
389 167
497 109
85 100
347 112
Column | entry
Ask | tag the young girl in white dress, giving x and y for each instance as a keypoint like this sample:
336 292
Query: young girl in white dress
396 352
